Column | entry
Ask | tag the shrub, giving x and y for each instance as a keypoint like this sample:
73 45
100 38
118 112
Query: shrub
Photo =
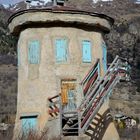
122 124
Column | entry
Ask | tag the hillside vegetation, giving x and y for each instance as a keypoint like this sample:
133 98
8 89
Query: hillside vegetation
8 70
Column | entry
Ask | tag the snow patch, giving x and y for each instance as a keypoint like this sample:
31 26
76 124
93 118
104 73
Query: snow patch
39 2
137 1
34 3
6 6
45 1
17 9
15 6
95 1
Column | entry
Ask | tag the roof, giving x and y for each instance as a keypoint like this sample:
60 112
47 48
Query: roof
62 9
59 16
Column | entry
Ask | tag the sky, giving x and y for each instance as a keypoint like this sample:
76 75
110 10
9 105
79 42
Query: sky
15 1
9 1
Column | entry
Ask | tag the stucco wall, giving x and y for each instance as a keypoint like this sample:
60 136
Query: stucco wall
37 82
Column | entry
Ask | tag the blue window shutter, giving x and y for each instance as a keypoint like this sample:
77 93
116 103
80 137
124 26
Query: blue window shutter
61 50
34 52
29 124
86 50
19 59
104 50
71 102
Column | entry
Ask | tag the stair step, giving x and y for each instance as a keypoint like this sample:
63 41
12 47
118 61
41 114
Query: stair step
70 132
68 128
76 124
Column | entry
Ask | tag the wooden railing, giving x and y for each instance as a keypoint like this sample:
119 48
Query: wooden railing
53 106
96 96
90 79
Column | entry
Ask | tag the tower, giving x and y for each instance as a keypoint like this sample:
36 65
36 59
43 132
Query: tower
56 48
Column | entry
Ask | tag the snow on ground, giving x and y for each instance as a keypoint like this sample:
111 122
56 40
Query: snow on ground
6 5
95 1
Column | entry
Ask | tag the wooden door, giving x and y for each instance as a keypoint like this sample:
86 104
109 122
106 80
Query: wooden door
68 96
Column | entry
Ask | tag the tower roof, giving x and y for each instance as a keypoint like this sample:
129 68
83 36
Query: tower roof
62 15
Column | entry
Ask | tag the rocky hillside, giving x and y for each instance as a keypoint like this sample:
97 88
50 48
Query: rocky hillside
8 69
123 40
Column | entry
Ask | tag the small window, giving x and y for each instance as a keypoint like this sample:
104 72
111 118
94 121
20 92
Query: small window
61 50
104 57
86 51
29 123
34 52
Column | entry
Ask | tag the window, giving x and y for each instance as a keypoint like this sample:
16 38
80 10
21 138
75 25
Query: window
34 52
61 50
104 58
18 49
86 51
29 123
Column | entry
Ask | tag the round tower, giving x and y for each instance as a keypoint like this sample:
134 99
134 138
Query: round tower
57 47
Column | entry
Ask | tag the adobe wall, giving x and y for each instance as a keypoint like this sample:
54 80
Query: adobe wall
38 82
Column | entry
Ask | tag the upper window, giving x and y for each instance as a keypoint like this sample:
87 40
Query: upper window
18 49
86 51
61 47
104 57
34 52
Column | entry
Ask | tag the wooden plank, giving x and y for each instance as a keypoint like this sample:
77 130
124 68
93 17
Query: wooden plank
91 81
90 72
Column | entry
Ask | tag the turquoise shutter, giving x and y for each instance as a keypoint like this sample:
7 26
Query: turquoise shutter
104 50
34 52
61 50
29 124
19 61
71 102
86 46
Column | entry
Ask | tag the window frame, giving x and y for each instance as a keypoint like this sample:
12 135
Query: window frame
37 61
90 52
25 130
18 55
104 56
65 47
